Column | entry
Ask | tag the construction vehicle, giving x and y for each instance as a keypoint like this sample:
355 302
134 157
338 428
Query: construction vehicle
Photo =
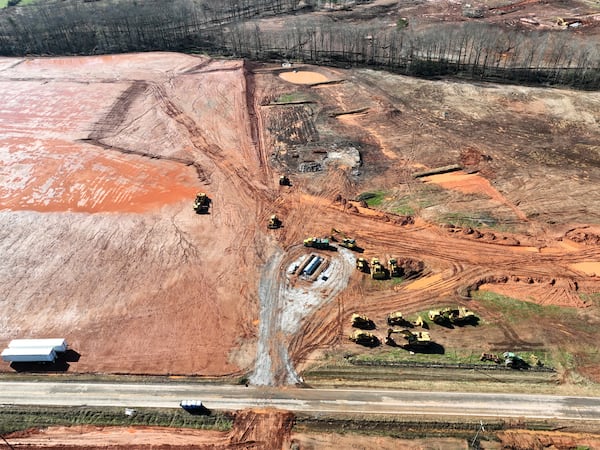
363 265
362 322
419 322
453 316
346 241
396 318
395 270
364 338
514 361
413 339
284 181
378 272
201 203
274 222
316 242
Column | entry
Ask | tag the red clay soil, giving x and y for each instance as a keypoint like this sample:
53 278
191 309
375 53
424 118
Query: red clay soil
101 158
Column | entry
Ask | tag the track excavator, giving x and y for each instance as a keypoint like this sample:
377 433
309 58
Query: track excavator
201 203
284 181
364 338
346 241
274 222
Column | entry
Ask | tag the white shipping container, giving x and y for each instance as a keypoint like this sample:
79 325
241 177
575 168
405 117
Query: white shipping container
58 344
29 354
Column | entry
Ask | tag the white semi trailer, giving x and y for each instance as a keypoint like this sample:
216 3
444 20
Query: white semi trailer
29 354
58 344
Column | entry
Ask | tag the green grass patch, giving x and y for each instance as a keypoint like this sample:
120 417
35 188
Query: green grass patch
450 356
591 298
475 220
24 417
289 97
514 310
373 199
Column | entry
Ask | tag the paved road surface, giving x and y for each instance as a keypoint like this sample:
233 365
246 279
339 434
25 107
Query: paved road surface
315 401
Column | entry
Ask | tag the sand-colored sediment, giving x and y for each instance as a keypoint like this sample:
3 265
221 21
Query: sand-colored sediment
303 77
591 268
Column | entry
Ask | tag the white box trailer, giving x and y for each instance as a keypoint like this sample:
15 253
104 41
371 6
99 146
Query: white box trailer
58 344
29 354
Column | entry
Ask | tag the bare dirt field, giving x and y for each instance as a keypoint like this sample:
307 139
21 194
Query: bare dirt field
101 158
101 245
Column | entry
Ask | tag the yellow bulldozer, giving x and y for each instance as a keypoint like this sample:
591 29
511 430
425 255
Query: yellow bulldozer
396 318
201 203
363 322
453 316
364 338
274 222
378 272
363 265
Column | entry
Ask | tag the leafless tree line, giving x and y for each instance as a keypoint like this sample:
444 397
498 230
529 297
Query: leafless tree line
471 50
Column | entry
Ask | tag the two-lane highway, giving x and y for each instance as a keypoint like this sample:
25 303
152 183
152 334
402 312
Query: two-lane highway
313 401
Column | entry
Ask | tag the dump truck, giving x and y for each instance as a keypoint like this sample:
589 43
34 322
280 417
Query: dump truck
284 181
363 322
346 241
363 265
396 318
274 222
378 272
364 338
395 269
201 203
316 243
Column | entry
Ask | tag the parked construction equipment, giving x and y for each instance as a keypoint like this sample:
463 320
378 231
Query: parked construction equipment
363 265
511 360
396 318
201 203
378 272
395 270
415 339
362 322
364 338
284 181
274 222
419 322
346 241
454 316
316 243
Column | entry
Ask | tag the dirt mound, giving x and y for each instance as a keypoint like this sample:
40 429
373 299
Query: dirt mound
268 429
529 440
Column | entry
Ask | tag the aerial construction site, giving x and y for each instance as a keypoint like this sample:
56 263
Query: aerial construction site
170 214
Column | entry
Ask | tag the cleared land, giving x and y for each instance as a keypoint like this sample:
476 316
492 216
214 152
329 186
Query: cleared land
100 159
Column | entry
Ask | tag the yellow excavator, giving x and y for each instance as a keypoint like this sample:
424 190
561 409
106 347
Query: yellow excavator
346 241
414 339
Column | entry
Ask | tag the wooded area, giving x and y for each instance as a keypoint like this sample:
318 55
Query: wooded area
471 50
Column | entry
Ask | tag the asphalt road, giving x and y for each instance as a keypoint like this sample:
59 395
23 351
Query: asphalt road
314 401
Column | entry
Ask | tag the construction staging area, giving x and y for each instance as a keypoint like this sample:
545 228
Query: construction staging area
138 193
